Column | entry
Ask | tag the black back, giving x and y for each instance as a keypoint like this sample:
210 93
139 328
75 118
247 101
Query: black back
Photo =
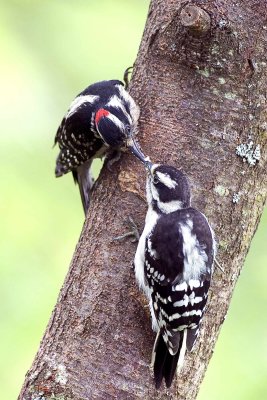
77 136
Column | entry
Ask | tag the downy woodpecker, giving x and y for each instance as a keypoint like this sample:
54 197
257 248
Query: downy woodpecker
104 116
173 266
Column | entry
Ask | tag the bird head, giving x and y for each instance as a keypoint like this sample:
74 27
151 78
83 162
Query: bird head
117 131
168 188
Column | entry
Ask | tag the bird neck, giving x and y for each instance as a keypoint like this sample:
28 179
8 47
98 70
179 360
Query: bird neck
167 207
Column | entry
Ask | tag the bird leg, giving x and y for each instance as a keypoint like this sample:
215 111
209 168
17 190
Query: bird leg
127 72
112 156
133 231
218 265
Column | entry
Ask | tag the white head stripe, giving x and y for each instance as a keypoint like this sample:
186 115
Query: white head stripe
116 103
134 109
166 180
79 101
116 121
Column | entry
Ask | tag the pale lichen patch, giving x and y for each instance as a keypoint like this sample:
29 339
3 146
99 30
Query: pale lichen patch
222 23
61 375
236 197
248 152
230 96
263 127
215 49
244 213
204 72
48 374
33 376
221 190
223 244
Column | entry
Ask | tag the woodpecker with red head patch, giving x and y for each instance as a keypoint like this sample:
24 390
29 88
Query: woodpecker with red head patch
173 265
104 116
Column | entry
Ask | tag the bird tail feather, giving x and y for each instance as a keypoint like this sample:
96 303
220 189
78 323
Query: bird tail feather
164 363
85 181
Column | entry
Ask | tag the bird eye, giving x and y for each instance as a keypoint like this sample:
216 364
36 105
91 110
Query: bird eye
155 179
128 129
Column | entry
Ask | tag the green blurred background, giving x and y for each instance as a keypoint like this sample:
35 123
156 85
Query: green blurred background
51 50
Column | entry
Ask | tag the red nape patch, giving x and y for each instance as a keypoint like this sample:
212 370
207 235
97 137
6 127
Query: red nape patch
101 113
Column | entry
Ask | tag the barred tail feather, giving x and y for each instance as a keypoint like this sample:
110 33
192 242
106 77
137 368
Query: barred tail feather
164 363
159 355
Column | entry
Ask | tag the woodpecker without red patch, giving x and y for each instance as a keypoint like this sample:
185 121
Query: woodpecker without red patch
173 265
101 113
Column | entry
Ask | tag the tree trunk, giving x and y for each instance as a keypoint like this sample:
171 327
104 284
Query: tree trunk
200 80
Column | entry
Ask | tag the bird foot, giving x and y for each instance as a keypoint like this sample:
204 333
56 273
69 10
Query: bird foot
218 265
127 72
112 157
133 232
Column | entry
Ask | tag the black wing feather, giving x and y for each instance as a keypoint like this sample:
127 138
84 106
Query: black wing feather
165 264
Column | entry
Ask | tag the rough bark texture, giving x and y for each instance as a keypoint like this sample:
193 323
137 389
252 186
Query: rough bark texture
201 93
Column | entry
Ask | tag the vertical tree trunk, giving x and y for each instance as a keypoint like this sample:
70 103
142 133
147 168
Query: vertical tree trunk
200 80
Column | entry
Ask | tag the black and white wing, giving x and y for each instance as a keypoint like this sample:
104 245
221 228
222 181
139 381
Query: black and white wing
78 146
178 266
77 138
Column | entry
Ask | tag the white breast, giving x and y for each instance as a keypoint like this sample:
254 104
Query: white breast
139 260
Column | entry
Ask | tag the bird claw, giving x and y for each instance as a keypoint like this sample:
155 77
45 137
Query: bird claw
218 265
133 232
126 76
111 158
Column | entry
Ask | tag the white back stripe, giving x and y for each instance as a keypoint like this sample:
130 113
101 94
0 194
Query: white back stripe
79 101
195 258
116 121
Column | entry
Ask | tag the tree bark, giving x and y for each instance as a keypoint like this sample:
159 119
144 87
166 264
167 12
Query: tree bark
200 80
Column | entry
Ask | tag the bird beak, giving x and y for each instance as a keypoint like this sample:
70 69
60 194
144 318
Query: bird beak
148 166
135 149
